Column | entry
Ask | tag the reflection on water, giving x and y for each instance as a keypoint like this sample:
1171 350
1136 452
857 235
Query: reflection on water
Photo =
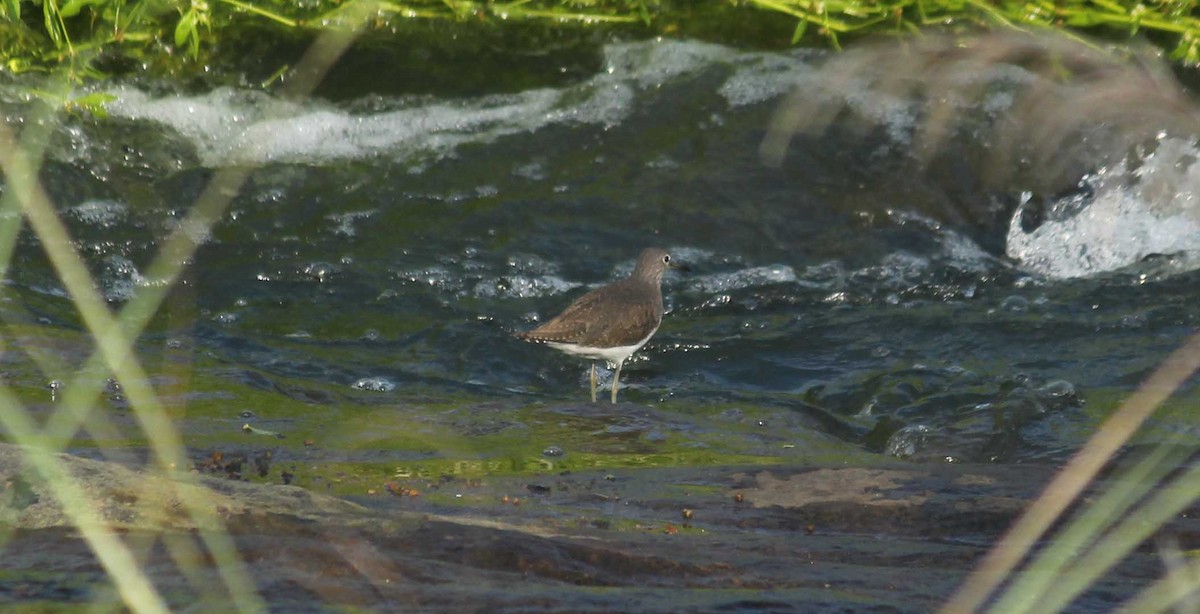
360 293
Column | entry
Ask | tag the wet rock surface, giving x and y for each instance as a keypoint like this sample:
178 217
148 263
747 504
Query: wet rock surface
773 538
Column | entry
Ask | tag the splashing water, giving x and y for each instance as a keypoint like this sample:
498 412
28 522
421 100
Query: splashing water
1132 213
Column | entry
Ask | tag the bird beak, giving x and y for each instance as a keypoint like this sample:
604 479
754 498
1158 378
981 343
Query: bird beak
683 268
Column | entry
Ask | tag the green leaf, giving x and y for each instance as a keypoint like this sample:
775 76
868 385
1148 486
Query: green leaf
12 10
93 103
94 100
801 28
186 34
53 22
73 7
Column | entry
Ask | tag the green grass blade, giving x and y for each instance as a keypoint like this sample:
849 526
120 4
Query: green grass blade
1043 575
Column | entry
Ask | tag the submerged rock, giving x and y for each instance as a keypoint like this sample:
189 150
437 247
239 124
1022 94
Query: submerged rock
125 498
899 538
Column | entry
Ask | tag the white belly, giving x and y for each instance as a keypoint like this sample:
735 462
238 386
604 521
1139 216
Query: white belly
614 355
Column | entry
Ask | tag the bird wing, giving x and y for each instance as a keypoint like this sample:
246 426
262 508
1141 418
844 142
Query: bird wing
627 320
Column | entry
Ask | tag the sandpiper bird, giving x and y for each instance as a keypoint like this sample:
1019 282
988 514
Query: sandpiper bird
611 322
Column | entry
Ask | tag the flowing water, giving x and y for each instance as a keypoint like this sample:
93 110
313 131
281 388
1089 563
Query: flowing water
362 288
347 324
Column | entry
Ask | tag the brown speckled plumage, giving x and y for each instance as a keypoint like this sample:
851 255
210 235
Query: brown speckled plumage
613 321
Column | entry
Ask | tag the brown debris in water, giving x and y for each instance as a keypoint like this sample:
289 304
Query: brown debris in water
233 466
397 490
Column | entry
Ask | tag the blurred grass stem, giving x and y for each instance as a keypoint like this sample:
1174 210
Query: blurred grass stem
1070 482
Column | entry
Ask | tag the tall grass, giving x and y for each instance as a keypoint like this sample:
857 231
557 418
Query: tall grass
1052 580
114 336
1107 529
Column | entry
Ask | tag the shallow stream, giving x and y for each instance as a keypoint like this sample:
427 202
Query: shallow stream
349 321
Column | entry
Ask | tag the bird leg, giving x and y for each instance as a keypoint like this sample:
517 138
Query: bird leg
593 382
616 376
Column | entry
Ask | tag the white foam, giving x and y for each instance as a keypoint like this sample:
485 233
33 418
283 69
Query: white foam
745 278
100 213
374 384
344 223
119 278
438 277
232 127
653 63
764 76
522 286
1151 209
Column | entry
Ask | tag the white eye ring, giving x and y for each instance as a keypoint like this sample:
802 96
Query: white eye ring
667 259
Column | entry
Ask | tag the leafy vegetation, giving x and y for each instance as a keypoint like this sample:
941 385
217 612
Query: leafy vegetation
94 37
1172 21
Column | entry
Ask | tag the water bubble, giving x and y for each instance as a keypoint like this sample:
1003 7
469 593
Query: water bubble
825 275
100 213
344 223
374 384
1059 394
745 278
435 277
534 171
1136 320
119 278
271 196
531 264
716 301
662 162
868 408
1014 304
908 441
115 392
55 386
521 286
320 271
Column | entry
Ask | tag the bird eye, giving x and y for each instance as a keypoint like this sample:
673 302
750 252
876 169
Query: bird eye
666 258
